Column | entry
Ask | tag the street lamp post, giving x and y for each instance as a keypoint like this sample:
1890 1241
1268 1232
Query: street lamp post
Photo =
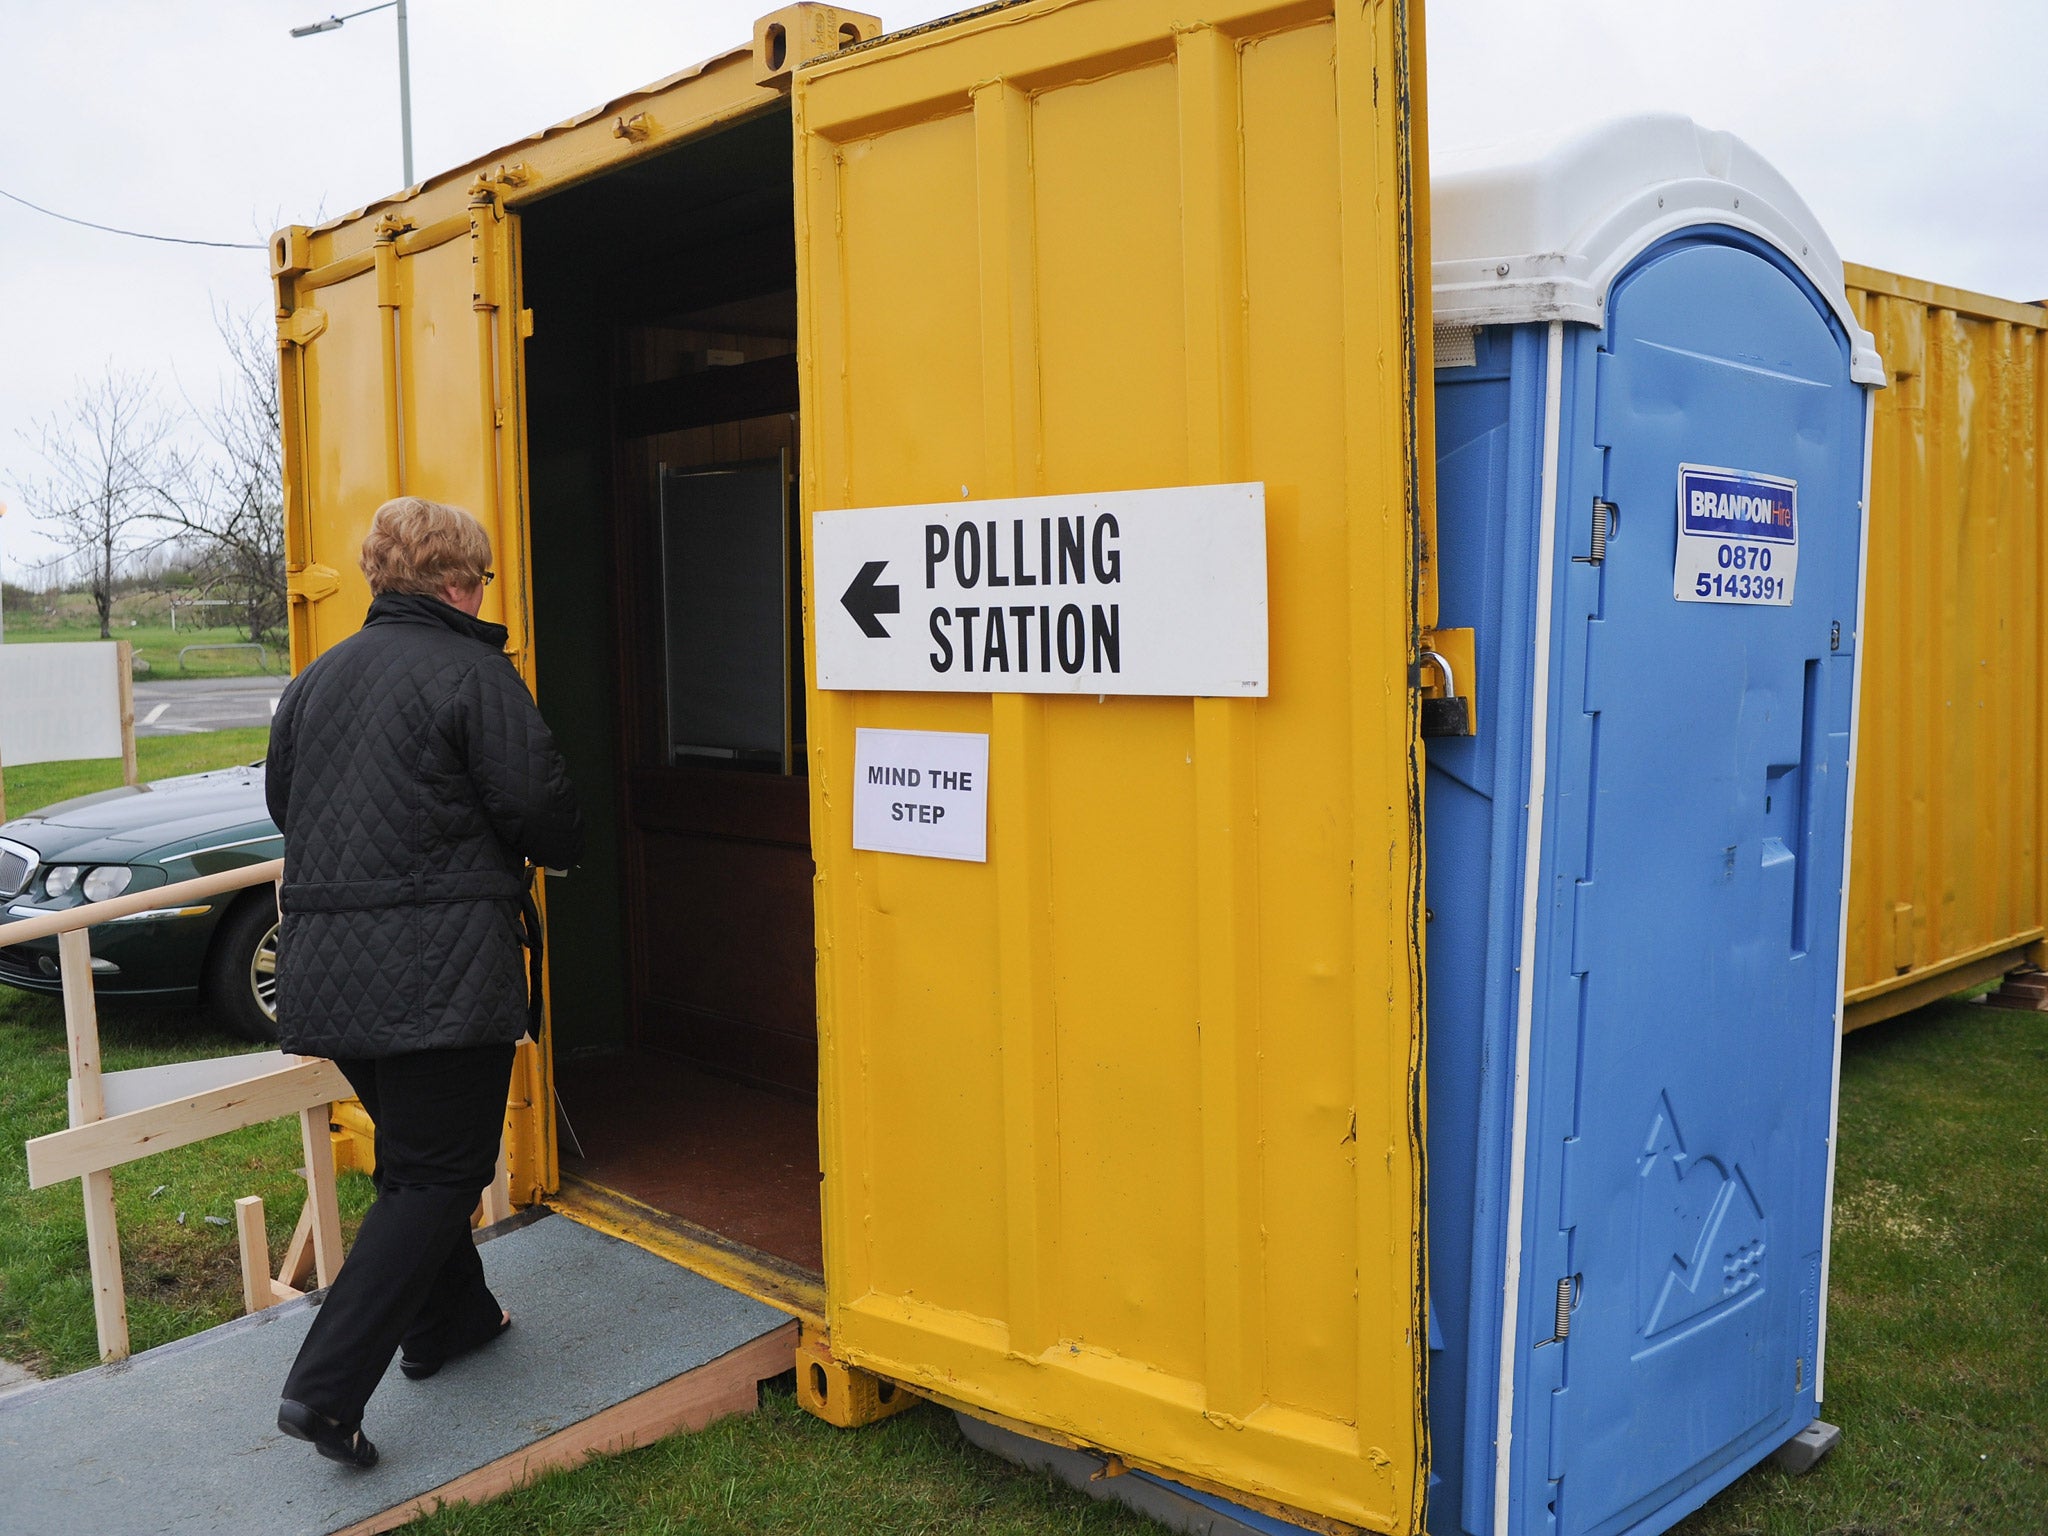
333 24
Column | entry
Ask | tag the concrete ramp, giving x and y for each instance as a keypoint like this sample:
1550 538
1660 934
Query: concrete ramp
611 1346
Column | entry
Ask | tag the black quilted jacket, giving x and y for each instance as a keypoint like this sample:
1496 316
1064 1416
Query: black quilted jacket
411 776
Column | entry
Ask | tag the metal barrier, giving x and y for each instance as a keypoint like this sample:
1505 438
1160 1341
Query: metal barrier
262 652
121 1116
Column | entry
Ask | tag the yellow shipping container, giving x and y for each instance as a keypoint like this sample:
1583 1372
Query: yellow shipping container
1948 883
1120 1130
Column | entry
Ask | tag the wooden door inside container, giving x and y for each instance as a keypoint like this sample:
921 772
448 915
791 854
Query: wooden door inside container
716 824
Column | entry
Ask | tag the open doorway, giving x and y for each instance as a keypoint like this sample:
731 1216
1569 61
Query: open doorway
662 456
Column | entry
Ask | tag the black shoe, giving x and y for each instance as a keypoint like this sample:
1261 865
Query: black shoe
345 1443
420 1370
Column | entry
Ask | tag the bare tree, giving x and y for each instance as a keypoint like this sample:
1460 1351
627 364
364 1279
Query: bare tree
230 515
112 463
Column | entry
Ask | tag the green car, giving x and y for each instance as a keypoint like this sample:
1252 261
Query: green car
96 847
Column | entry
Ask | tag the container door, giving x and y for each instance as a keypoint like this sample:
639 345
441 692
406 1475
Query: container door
1121 1127
1683 1073
399 371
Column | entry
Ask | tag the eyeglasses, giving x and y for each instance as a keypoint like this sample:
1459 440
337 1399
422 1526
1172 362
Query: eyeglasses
489 577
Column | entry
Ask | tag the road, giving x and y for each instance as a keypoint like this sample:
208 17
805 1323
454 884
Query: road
181 707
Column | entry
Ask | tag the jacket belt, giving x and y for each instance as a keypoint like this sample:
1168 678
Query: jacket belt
400 891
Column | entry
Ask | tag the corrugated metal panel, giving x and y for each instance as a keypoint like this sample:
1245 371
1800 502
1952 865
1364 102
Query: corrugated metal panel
1948 883
1121 1127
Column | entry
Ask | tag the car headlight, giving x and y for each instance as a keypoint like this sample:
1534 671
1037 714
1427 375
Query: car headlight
107 881
61 881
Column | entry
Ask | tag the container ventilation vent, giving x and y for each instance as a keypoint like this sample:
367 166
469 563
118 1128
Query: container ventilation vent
1457 346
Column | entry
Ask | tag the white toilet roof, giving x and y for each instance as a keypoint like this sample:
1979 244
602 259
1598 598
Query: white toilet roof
1537 231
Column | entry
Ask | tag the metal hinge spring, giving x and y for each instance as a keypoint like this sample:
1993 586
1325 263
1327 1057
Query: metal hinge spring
1606 519
1567 1297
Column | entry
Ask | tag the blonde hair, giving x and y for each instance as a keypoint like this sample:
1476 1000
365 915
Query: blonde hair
416 545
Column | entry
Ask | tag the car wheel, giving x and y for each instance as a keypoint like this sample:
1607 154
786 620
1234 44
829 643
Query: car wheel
241 968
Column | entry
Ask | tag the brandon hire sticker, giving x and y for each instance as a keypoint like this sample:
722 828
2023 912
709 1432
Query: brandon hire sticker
1738 537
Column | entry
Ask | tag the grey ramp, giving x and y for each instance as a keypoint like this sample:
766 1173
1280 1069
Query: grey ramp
185 1439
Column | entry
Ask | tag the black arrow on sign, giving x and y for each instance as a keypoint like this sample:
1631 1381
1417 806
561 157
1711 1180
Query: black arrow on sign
864 600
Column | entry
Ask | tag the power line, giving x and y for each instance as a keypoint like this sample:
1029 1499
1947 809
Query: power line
133 234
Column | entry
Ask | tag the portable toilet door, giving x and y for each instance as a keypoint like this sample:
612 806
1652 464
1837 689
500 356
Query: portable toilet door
1652 424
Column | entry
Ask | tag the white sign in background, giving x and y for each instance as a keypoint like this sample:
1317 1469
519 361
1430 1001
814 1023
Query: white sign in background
921 792
1117 592
59 701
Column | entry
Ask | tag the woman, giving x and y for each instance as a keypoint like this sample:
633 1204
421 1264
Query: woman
414 781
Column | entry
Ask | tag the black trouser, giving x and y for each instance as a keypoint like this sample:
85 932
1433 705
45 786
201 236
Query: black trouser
413 1277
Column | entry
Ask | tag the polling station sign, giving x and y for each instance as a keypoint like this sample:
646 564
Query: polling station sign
1124 592
1738 537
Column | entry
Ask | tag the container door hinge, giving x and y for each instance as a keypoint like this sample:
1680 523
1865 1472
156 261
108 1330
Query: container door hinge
503 177
1445 671
1606 522
301 325
1902 936
311 583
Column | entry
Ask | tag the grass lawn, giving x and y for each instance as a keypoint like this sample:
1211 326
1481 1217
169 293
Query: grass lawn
158 645
786 1473
156 757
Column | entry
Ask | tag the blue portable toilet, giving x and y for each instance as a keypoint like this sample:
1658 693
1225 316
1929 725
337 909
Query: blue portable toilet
1652 448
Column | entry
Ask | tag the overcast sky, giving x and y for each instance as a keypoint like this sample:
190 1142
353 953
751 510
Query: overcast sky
1918 133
